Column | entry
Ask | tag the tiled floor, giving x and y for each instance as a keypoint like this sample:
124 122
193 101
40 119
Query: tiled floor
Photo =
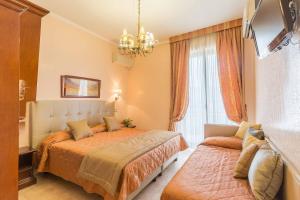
53 188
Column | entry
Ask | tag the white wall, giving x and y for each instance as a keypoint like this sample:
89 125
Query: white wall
66 49
278 102
250 84
149 89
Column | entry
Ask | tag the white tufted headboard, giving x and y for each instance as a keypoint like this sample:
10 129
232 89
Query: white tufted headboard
47 116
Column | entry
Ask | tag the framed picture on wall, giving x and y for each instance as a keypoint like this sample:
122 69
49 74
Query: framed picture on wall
79 87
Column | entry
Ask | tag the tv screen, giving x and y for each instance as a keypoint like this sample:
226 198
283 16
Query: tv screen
270 25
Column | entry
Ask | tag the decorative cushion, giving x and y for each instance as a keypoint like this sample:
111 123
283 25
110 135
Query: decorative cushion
226 142
249 139
80 129
266 174
244 126
98 128
259 134
112 124
243 164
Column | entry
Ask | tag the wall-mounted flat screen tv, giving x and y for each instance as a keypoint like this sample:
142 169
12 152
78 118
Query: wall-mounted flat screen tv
272 25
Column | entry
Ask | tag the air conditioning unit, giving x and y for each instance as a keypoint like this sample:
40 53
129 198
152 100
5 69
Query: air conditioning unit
122 60
249 12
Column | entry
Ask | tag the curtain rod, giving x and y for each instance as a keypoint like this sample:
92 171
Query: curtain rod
208 30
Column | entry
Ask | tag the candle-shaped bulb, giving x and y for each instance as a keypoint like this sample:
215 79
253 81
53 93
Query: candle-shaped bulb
142 30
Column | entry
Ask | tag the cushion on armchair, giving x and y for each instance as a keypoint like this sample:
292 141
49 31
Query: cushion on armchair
244 126
226 142
266 174
250 139
243 164
258 133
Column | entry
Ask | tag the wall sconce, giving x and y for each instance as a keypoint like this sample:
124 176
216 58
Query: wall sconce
22 90
117 94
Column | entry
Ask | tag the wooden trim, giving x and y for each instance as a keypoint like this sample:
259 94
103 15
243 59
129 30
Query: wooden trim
13 5
24 5
35 9
62 92
208 30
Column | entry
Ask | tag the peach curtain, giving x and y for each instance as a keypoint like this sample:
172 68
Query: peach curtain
229 50
179 81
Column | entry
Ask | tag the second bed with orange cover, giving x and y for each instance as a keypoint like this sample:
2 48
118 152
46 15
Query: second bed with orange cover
208 175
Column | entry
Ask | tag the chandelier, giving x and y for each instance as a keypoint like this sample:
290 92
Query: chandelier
142 44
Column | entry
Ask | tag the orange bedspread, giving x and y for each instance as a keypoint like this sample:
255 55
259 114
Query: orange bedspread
64 159
208 175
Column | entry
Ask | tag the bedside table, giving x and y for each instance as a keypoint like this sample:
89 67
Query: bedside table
26 167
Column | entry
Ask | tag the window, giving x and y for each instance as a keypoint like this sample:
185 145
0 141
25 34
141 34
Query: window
205 100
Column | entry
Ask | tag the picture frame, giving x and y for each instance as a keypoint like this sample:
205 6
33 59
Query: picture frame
79 87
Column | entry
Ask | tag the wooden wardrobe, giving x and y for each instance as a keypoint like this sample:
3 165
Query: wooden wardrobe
20 23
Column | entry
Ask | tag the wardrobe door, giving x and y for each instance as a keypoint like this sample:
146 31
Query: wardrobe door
9 100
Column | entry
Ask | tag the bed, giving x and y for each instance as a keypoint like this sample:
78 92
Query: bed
65 157
208 173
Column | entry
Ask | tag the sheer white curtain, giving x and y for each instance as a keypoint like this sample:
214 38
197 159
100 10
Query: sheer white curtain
205 100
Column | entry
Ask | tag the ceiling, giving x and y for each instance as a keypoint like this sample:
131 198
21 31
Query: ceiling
164 18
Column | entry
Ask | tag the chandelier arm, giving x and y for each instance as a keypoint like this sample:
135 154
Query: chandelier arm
139 24
139 16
